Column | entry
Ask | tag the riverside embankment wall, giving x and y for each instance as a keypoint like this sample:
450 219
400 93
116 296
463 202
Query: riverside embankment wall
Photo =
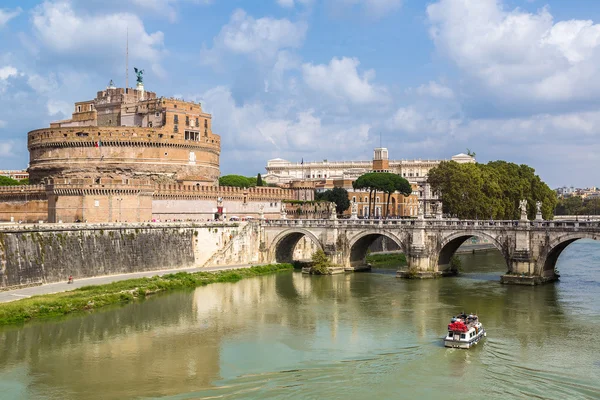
37 254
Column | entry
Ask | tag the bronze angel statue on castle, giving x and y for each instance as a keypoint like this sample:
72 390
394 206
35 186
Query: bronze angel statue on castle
139 73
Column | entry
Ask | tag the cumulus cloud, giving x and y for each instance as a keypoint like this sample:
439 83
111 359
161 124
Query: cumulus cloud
64 31
517 54
340 79
58 108
374 8
6 72
6 15
260 38
434 89
292 3
7 149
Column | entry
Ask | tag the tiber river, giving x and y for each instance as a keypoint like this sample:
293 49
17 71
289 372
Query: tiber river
355 336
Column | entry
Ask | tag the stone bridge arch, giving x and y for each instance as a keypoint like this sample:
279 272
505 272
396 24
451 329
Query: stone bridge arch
359 244
448 245
546 262
283 245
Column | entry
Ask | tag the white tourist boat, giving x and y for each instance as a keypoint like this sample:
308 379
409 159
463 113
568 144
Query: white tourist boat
464 331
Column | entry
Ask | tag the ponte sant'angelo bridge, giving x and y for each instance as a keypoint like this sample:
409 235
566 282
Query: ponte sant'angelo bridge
530 248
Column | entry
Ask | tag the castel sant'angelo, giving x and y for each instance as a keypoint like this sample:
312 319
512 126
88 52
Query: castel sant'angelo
130 156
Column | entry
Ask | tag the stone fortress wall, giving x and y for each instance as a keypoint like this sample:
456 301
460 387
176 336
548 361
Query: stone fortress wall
38 254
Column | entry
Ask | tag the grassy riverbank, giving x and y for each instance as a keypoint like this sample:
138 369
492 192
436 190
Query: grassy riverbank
90 298
386 260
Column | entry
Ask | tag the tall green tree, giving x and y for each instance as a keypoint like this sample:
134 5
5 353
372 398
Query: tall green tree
235 181
491 190
384 182
337 195
259 181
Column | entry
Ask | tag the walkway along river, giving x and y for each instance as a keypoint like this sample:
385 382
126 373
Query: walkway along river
351 336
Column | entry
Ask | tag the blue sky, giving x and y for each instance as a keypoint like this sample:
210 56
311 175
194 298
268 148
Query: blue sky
322 79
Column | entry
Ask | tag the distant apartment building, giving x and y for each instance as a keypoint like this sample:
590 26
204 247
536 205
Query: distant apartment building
19 174
306 177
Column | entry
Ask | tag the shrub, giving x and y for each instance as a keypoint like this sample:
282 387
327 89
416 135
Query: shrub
320 263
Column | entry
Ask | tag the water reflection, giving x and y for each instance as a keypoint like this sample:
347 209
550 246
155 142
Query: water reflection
234 339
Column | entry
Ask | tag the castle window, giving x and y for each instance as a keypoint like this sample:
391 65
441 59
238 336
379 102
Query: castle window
175 129
205 124
150 124
175 119
160 135
91 107
187 121
83 134
174 105
187 135
197 122
78 108
157 114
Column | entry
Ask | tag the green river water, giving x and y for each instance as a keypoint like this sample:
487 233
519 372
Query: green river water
353 336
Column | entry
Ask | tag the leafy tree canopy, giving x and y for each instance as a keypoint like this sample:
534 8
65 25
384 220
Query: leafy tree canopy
236 181
491 190
6 181
337 195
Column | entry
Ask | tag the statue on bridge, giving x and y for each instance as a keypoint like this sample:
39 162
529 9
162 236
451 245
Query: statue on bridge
283 211
523 208
538 211
354 210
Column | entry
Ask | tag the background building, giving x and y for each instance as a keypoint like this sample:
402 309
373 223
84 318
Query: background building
326 175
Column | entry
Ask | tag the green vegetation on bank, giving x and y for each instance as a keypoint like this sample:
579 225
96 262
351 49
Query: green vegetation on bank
387 260
89 298
492 190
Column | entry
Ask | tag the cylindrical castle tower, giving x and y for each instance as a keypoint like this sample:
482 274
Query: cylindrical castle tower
126 133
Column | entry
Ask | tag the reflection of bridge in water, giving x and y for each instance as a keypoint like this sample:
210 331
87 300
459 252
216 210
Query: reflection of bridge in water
530 248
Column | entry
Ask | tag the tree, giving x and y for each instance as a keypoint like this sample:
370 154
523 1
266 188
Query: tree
470 153
320 263
384 182
337 195
491 190
235 181
6 181
259 181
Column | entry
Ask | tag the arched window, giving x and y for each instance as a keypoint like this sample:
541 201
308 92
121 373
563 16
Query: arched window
354 199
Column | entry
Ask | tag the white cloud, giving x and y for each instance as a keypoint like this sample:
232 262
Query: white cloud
65 32
260 38
292 3
7 72
58 107
517 54
7 149
340 79
414 121
436 90
6 15
2 123
374 8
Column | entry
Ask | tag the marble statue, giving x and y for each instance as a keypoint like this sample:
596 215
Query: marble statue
538 207
523 207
